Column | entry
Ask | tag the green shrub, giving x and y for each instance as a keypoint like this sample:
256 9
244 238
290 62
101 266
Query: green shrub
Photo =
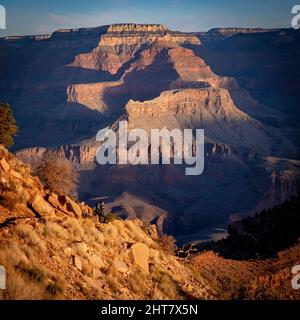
8 126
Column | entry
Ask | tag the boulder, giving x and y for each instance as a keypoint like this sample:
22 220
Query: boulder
120 266
82 248
70 206
4 165
97 274
52 198
77 263
68 251
4 181
139 254
41 206
24 211
86 210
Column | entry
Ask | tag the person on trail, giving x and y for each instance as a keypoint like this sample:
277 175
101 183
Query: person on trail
99 211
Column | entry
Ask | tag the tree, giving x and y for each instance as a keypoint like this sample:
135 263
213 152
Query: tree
58 175
8 126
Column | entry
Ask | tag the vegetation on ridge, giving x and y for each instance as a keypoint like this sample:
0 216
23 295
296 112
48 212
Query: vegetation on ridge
8 126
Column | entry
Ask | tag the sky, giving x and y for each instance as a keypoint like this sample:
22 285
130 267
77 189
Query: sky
40 17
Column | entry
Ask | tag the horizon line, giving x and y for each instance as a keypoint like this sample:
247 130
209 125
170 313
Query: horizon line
138 24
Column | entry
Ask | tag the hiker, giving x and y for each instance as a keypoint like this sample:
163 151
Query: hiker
99 211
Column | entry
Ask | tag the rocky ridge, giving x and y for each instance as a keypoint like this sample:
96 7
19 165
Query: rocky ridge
54 248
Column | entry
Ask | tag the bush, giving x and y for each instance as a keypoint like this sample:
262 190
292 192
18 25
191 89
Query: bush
54 289
167 243
8 127
107 218
34 273
58 174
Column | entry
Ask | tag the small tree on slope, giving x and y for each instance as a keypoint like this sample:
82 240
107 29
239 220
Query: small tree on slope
58 175
8 126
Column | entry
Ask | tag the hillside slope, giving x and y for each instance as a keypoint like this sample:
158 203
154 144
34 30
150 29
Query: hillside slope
54 248
262 249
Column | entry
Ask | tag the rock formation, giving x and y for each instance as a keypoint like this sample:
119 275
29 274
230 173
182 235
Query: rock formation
121 43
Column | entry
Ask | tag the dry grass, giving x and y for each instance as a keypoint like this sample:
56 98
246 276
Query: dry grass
139 283
74 227
55 230
167 243
92 233
19 287
31 237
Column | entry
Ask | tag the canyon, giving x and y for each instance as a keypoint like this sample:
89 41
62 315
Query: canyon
236 84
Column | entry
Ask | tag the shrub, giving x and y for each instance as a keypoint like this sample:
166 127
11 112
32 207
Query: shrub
139 283
55 230
108 218
58 174
74 227
53 288
8 127
34 273
167 243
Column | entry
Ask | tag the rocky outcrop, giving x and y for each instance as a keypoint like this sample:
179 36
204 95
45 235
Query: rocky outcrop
65 254
162 65
83 154
211 109
283 183
93 96
121 43
26 197
132 27
139 253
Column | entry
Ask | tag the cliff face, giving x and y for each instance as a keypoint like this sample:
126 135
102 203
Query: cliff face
160 66
121 43
260 62
208 108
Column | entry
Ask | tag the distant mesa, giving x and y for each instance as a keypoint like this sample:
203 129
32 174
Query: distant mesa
133 27
231 31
